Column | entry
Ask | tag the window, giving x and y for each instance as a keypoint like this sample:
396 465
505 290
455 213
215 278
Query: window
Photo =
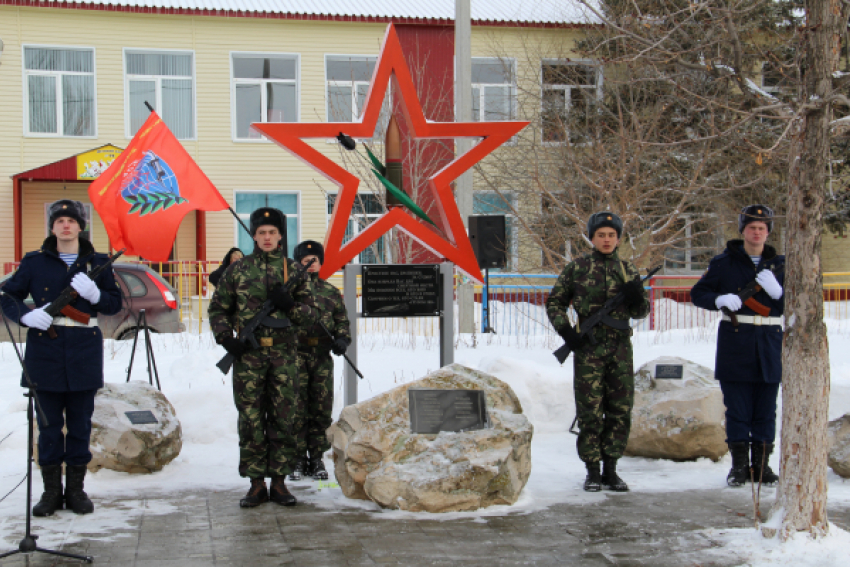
489 203
367 208
348 79
248 202
696 240
165 80
135 286
265 89
60 94
773 79
568 91
493 89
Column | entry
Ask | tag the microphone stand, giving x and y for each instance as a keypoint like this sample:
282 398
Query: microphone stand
28 544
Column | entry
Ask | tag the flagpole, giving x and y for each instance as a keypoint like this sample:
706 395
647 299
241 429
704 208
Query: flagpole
232 212
228 208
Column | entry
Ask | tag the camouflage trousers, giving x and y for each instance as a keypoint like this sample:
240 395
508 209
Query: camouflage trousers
266 394
317 389
604 387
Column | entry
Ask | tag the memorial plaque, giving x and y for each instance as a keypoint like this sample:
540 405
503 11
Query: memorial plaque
401 291
432 411
141 417
669 371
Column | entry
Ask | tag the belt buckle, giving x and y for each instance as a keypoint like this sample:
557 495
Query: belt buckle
312 341
757 320
266 342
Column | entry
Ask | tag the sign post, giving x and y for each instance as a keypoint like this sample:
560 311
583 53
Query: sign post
398 290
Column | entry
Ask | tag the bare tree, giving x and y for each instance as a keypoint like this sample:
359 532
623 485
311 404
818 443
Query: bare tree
658 115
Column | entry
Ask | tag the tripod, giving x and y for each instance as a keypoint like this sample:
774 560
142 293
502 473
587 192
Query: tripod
28 545
142 323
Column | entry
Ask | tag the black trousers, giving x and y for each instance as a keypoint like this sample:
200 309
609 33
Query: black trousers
750 411
72 410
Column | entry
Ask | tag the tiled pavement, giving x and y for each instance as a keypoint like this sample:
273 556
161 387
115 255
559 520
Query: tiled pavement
624 530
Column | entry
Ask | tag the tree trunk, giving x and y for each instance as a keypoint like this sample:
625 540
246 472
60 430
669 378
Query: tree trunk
801 497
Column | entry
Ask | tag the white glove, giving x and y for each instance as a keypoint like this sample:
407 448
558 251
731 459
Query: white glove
730 301
37 319
767 281
87 289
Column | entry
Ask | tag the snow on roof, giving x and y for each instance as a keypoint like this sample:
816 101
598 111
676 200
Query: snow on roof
524 11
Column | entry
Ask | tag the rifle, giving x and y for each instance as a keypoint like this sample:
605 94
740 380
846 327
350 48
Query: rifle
62 304
601 315
348 360
747 294
246 335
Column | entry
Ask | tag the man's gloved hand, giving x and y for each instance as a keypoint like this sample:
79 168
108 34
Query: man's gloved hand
37 319
87 289
769 283
730 301
571 337
633 292
281 298
340 346
234 346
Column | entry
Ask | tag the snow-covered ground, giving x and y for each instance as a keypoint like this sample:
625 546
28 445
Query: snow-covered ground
203 401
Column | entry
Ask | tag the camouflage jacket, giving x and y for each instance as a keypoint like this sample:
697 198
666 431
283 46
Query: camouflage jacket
244 288
587 283
331 308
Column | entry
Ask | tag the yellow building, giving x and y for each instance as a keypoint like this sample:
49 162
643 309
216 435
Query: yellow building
74 78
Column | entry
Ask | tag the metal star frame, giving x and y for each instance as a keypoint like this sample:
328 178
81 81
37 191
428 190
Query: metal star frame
391 64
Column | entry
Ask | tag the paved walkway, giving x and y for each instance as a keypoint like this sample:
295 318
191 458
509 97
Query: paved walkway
623 530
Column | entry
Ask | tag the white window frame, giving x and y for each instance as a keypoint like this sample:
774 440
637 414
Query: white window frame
773 89
687 246
356 226
512 87
510 220
567 91
60 111
246 217
158 80
358 118
263 92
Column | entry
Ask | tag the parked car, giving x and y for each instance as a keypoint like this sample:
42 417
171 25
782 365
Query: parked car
141 288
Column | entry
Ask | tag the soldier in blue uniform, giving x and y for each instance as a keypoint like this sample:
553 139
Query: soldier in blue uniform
748 362
67 371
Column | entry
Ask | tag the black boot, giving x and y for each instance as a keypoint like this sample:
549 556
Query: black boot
280 494
610 480
760 457
298 469
75 497
593 482
257 494
51 499
740 472
317 469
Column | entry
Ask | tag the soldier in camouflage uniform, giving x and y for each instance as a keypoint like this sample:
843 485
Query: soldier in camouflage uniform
317 365
603 374
265 381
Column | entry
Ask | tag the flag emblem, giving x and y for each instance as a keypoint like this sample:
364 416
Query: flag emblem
150 185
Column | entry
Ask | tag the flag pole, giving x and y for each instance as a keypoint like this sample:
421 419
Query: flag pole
228 208
240 221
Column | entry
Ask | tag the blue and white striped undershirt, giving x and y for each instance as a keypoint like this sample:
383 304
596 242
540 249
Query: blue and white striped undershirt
68 258
755 259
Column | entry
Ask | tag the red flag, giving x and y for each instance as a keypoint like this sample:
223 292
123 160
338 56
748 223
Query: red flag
148 189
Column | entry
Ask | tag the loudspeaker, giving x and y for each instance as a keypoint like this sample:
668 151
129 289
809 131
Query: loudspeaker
487 235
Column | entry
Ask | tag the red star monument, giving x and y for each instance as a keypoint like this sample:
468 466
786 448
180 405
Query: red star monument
455 245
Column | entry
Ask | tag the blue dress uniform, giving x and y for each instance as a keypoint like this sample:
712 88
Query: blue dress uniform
748 362
66 371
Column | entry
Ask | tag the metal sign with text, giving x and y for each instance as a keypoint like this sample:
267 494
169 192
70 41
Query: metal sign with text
401 290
